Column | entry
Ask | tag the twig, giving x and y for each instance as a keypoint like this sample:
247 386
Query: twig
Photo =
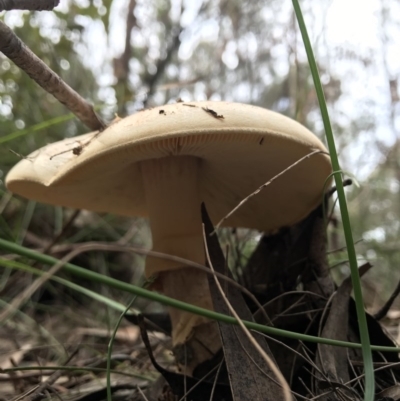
385 308
140 391
386 366
284 294
121 64
25 59
25 394
31 5
281 343
19 155
270 363
162 65
216 380
69 368
259 189
51 380
63 231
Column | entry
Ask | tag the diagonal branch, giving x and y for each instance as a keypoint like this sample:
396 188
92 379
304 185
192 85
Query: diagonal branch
122 88
32 5
130 24
263 186
25 59
162 64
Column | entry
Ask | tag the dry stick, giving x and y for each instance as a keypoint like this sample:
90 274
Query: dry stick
51 380
306 358
386 361
259 189
23 396
60 235
388 366
298 302
289 293
5 199
323 394
31 5
320 328
121 64
385 309
140 391
216 380
23 376
95 246
307 352
299 346
301 313
282 381
72 369
25 59
209 373
335 388
355 373
64 229
305 386
343 248
162 64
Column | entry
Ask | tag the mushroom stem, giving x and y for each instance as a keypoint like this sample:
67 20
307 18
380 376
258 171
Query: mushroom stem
173 200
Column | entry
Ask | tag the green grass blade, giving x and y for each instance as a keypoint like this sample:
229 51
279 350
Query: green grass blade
110 347
141 292
36 127
10 264
362 320
26 221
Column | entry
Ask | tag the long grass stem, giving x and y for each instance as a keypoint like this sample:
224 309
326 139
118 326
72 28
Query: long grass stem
362 320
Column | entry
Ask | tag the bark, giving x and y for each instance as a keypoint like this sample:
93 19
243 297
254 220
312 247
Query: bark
162 64
121 64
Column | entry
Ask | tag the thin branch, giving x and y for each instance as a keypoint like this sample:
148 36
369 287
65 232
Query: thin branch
38 393
25 59
259 189
162 64
140 391
31 5
385 308
121 64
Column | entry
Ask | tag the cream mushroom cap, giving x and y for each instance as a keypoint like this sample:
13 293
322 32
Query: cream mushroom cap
239 148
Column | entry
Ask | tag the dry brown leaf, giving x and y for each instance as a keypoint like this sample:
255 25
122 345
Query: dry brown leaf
390 392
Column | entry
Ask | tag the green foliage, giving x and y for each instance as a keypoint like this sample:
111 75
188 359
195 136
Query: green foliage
26 105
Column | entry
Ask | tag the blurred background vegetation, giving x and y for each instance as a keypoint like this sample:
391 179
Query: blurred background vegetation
123 55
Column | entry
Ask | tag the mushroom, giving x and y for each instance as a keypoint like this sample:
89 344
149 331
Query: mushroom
162 163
